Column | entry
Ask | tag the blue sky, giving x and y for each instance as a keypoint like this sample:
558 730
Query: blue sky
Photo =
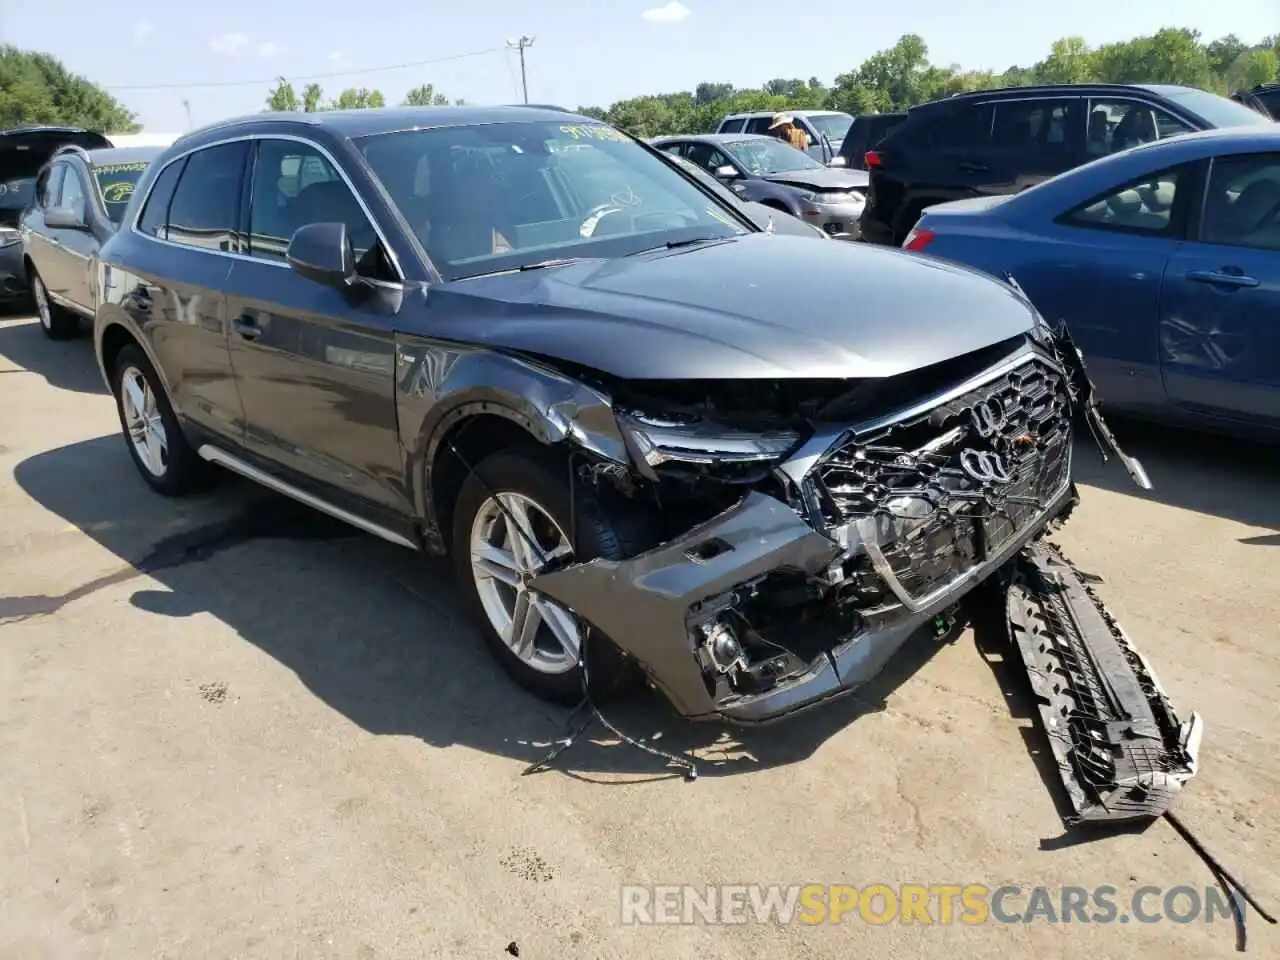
586 51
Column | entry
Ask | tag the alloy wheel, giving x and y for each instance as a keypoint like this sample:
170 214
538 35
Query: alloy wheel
42 302
512 539
143 422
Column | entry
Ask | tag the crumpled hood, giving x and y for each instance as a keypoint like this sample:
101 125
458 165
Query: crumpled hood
824 178
761 306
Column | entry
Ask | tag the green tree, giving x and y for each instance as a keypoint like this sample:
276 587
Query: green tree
360 98
37 88
1070 61
425 96
282 96
312 94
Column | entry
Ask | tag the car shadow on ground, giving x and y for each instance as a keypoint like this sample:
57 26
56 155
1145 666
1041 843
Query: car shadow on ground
375 631
1207 473
66 364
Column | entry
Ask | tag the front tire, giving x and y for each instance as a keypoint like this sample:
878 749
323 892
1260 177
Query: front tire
536 640
57 323
152 433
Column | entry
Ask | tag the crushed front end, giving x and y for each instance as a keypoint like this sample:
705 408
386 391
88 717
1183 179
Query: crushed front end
830 544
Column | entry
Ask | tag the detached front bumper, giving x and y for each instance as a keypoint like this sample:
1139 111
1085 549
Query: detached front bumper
654 605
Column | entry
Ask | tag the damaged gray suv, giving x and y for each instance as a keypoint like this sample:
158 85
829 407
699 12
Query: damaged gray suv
748 463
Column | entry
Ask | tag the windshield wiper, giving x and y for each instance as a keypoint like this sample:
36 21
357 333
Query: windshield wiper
676 244
554 262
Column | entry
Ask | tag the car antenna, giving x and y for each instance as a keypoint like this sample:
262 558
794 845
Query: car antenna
588 704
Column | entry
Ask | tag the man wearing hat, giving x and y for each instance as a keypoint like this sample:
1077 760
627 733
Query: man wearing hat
784 127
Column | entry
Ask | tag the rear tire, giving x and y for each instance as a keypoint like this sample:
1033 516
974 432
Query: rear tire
542 659
57 323
151 430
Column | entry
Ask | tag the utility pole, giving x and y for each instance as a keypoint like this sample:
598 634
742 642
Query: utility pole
520 44
186 105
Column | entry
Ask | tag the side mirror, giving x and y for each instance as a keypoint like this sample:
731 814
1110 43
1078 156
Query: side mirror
837 162
322 252
727 172
64 218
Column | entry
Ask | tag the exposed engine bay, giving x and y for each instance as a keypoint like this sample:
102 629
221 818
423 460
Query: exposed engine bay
808 529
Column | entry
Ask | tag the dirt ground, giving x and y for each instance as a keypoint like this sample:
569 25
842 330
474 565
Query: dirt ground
232 728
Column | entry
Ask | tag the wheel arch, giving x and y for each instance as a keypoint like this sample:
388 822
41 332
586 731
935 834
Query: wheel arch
459 404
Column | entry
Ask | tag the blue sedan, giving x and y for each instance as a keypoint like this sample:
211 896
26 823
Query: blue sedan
1163 260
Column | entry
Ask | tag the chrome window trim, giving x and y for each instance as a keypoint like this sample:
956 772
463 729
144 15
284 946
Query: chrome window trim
240 138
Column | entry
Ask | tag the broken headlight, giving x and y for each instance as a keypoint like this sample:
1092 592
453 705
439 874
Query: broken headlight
688 438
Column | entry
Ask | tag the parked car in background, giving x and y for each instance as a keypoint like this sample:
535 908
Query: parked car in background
867 131
79 200
764 217
826 128
1164 262
23 151
1003 141
766 170
638 425
1265 98
142 139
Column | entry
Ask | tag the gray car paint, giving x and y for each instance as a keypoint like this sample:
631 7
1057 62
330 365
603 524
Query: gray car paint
867 312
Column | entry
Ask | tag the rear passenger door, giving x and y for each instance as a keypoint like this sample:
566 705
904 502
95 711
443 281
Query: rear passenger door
315 365
191 214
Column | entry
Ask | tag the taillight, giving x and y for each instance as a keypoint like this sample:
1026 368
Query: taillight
918 239
871 158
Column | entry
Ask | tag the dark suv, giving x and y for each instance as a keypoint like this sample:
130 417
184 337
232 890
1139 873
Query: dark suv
523 338
1265 98
866 132
1003 141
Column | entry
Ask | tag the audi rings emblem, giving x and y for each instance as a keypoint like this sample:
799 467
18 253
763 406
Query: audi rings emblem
985 466
988 417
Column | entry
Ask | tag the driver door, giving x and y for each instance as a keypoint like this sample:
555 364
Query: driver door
314 367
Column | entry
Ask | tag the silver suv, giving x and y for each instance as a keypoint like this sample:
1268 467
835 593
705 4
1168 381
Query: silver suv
826 128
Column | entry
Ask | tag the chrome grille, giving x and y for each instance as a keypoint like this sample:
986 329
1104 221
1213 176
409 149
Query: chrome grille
951 486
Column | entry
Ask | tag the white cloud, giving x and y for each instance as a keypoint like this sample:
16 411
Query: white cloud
229 44
142 30
269 48
673 12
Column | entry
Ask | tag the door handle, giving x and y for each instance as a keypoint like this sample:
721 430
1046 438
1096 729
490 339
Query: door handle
1225 279
246 326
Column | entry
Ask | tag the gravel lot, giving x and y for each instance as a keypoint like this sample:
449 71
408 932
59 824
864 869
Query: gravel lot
232 728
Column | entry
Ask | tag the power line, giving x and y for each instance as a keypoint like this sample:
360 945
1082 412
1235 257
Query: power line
309 76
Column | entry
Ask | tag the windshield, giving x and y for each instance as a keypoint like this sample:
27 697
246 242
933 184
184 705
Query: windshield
1218 111
115 185
832 125
499 196
17 194
765 156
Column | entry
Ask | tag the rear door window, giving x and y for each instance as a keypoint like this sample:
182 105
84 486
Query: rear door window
1036 127
965 127
206 204
758 125
733 126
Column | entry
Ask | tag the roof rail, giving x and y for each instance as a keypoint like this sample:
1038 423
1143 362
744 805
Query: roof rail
75 148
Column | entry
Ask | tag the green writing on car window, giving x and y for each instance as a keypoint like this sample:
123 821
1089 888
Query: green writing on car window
119 192
592 131
110 168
